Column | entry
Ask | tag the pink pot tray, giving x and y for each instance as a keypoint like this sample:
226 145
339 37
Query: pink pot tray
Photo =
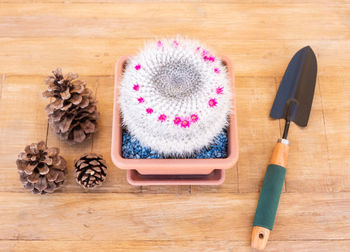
172 171
216 177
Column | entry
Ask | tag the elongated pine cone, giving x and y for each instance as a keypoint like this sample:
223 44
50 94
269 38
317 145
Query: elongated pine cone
175 96
41 169
72 114
90 170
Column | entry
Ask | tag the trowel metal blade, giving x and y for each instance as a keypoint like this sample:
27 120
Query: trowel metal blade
295 95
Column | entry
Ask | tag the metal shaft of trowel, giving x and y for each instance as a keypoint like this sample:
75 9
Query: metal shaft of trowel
286 129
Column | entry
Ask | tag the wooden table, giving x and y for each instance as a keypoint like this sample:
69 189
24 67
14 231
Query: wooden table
260 37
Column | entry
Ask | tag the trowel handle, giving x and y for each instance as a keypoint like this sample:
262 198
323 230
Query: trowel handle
280 153
270 195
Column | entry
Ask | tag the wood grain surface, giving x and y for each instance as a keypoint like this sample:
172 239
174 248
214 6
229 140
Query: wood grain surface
260 37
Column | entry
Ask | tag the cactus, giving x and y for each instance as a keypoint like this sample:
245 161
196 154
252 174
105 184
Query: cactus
175 96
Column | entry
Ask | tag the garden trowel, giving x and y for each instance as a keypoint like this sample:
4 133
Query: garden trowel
293 103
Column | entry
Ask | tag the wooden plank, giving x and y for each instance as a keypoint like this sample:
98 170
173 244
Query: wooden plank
248 2
164 217
335 93
257 132
111 20
229 186
178 189
171 246
260 37
23 121
97 56
2 81
327 133
307 172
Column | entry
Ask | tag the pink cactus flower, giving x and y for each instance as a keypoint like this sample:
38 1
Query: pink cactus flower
220 90
141 100
216 70
207 56
185 124
177 120
194 118
176 44
212 102
136 87
198 48
149 110
159 43
162 118
138 67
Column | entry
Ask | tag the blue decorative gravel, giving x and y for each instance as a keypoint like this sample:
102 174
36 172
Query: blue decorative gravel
132 149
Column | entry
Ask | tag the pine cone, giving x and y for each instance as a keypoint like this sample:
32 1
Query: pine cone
41 169
73 114
90 170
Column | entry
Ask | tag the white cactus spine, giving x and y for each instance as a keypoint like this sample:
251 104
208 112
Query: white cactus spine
175 96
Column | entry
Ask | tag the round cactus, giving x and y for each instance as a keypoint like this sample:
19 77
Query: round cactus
175 96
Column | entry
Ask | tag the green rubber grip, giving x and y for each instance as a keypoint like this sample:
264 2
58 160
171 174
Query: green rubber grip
270 196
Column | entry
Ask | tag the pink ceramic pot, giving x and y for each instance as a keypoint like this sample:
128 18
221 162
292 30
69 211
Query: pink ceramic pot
170 166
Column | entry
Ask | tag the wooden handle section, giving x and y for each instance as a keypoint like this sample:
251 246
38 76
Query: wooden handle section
280 153
260 236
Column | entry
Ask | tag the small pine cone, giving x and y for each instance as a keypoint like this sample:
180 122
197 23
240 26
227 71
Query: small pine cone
41 169
72 114
90 170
